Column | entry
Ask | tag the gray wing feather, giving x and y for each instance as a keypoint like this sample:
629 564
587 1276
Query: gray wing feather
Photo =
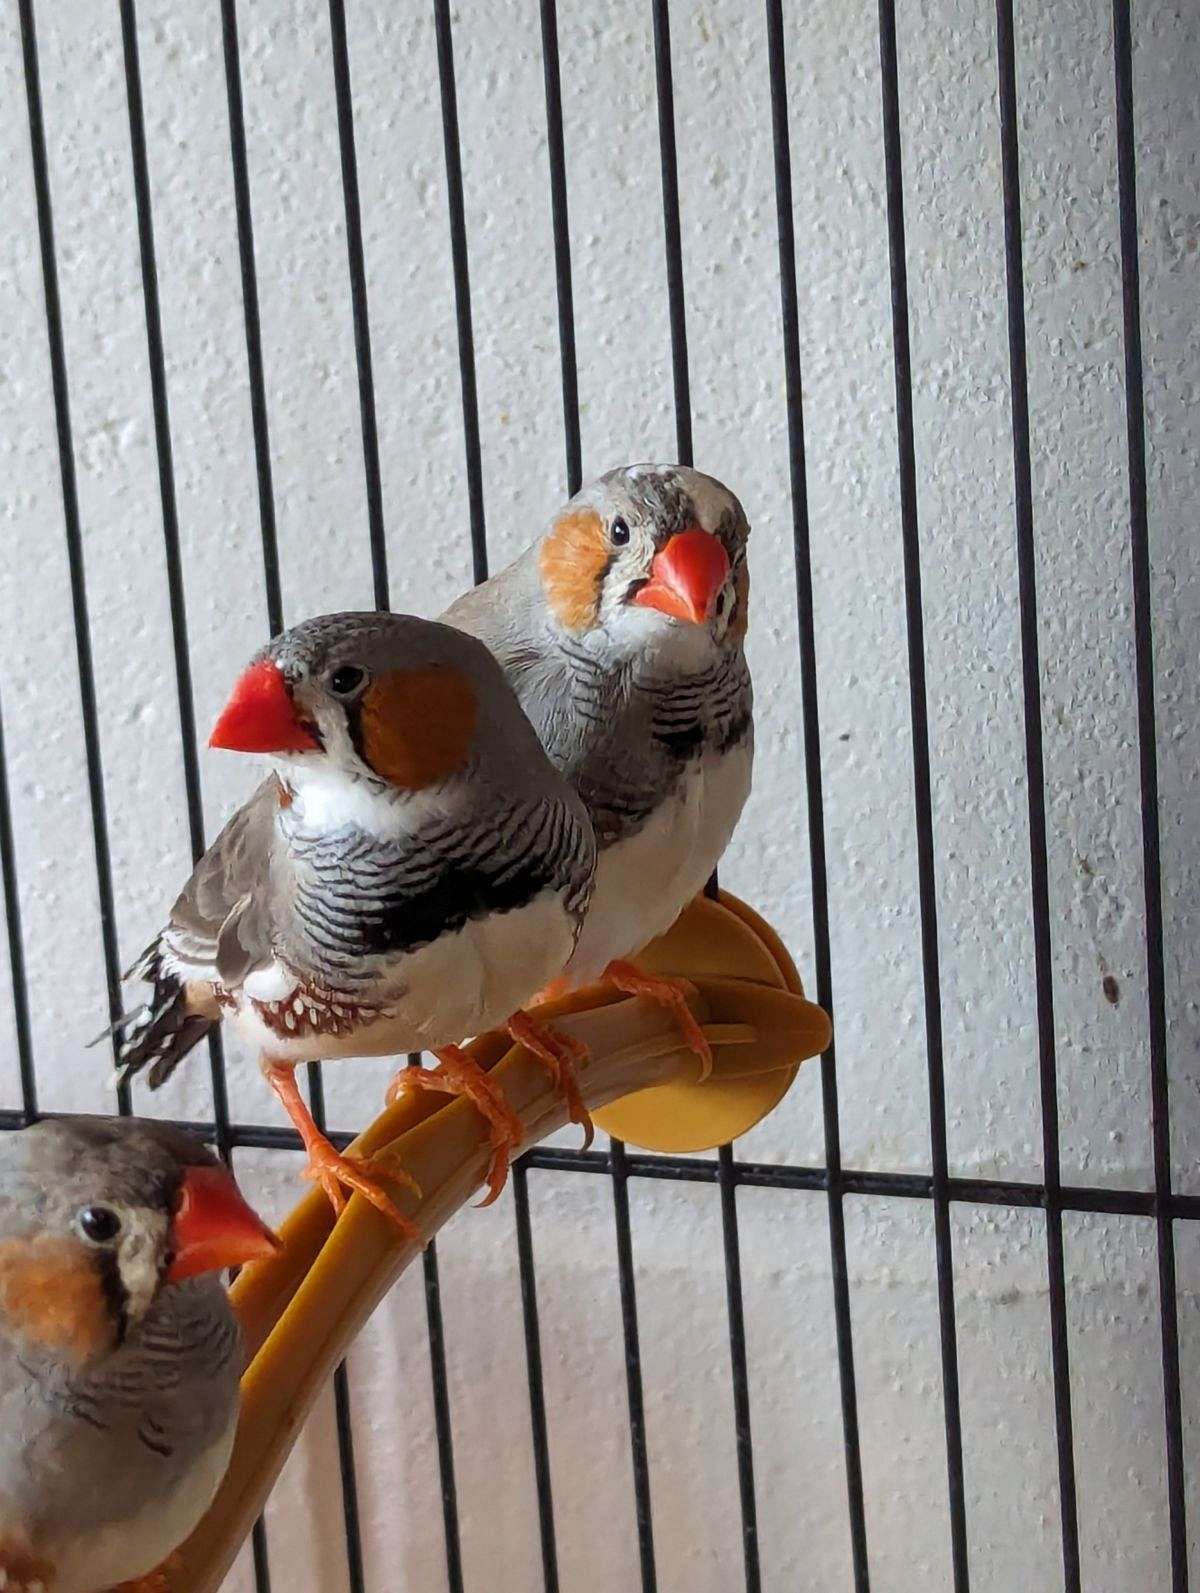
219 921
506 613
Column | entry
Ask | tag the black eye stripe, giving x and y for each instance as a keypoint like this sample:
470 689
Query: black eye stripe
354 730
116 1296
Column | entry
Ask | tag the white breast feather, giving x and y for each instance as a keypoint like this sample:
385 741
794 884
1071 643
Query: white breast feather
446 992
644 883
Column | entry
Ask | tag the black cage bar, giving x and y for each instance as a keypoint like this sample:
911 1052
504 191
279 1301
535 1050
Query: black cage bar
726 1171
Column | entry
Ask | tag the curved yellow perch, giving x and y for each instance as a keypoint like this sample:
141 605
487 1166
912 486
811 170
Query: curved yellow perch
301 1310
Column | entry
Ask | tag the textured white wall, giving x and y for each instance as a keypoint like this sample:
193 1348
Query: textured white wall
947 65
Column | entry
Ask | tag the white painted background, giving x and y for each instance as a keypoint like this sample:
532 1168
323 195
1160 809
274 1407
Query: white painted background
947 60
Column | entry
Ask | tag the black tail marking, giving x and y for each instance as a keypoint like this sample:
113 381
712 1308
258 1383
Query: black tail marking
159 1034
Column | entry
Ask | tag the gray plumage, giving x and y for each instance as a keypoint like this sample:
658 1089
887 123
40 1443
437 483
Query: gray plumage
621 718
89 1445
648 717
332 875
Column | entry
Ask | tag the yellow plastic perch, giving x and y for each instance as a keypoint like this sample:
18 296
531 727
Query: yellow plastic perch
301 1310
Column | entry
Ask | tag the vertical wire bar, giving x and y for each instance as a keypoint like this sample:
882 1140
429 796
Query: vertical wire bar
345 1443
260 430
460 266
462 285
560 225
358 299
633 1367
258 1552
574 470
274 601
250 313
537 1392
562 245
665 93
316 1086
1143 616
810 713
727 1180
77 574
16 946
160 404
442 1424
626 1282
926 877
1035 787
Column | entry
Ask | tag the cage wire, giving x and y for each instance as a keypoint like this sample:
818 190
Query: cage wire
620 1166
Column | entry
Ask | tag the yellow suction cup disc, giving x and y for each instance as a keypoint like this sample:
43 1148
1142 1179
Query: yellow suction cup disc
710 938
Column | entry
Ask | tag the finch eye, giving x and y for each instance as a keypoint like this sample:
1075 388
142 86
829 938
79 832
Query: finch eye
344 682
618 534
100 1224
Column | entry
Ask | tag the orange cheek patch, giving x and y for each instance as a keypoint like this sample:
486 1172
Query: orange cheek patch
51 1292
572 562
418 724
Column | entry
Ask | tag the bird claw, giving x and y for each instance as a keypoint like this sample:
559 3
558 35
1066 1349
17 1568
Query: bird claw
330 1168
330 1183
669 993
562 1056
157 1581
20 1572
457 1074
337 1173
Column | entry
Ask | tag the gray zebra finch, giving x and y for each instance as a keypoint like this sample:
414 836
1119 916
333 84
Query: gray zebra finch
622 632
119 1354
412 871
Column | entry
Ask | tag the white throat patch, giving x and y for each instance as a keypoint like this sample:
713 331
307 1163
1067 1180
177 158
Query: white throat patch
326 799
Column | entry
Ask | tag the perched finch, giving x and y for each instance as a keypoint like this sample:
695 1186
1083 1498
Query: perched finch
410 874
119 1354
621 631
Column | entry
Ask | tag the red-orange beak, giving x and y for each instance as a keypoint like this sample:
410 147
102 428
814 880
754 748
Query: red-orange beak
260 716
686 576
214 1227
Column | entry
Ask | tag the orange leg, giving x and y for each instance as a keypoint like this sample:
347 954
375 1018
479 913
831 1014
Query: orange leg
561 1056
457 1074
552 991
20 1572
668 993
331 1169
157 1581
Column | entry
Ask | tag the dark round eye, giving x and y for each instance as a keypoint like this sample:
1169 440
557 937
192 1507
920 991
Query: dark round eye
618 534
344 682
100 1224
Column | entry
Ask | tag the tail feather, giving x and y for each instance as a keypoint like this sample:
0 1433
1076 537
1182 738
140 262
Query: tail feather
161 1032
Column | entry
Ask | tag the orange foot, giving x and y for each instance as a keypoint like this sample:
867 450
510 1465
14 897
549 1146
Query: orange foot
668 993
20 1572
329 1167
552 991
158 1581
561 1056
457 1074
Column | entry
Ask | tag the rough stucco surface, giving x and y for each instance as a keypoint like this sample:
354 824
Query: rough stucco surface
963 438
